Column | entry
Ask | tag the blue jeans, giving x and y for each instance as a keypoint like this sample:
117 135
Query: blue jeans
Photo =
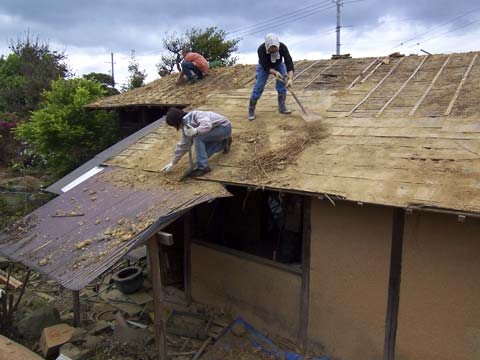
261 80
210 143
188 67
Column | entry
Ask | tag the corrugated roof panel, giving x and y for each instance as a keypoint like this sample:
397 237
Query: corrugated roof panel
103 156
79 235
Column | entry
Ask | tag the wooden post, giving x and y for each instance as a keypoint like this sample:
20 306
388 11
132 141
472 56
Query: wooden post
394 284
154 260
305 288
76 308
187 258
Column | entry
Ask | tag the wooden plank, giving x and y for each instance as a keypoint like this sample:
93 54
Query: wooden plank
402 87
154 259
305 287
376 87
391 321
12 282
11 350
363 72
187 256
76 308
459 88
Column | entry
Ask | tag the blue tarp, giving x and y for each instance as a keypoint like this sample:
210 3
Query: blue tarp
260 341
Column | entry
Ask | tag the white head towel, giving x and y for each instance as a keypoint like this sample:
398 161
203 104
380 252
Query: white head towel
272 40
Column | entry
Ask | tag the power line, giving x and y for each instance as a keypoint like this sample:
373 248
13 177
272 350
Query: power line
261 23
286 20
447 32
437 27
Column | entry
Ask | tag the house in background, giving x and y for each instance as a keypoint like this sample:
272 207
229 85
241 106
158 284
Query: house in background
355 235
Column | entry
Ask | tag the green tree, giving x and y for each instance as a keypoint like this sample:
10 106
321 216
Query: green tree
211 42
105 80
26 72
137 77
62 131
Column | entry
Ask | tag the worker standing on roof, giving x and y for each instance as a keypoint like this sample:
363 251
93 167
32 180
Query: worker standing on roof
210 132
273 58
194 66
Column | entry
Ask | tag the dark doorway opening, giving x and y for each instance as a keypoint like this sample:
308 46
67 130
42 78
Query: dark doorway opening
264 223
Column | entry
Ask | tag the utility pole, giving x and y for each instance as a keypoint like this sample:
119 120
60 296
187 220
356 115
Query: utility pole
339 4
113 76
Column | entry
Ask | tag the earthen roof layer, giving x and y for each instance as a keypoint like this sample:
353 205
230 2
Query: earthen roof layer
401 131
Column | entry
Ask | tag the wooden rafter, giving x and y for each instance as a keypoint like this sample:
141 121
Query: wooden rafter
295 76
375 87
307 68
320 73
437 75
363 72
371 72
402 87
459 88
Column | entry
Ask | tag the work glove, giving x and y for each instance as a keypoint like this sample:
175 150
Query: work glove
289 82
190 131
279 76
167 167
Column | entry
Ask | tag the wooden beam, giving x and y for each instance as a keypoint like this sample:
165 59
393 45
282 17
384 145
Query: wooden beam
402 87
187 256
363 72
305 287
154 259
459 88
429 87
76 308
165 238
398 222
375 87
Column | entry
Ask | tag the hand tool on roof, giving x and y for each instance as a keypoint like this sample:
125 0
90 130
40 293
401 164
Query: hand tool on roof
307 116
192 165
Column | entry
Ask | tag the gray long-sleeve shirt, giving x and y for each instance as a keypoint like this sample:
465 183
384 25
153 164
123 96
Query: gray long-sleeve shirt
203 121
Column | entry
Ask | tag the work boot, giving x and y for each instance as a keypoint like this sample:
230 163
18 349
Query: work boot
228 145
200 172
251 109
282 108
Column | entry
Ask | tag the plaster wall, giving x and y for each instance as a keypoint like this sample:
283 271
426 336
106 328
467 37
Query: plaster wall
350 264
439 314
266 296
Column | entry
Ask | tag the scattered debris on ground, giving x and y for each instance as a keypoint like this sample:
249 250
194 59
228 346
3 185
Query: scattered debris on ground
115 325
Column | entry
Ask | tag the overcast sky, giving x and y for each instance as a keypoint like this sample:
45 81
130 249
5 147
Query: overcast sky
88 31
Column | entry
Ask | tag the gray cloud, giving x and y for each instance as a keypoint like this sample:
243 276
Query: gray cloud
119 25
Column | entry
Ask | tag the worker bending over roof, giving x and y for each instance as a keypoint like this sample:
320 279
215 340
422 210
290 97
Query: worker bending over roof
210 133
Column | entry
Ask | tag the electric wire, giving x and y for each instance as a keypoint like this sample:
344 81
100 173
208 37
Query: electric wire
242 29
290 19
438 27
276 23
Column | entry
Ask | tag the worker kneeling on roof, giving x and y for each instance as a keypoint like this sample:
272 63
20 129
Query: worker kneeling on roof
194 66
210 133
